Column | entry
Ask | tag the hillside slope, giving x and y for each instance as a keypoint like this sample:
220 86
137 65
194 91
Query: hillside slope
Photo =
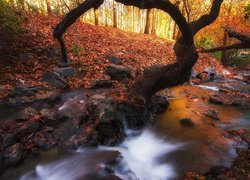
27 55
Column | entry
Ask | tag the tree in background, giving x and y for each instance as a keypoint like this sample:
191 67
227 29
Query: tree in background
48 4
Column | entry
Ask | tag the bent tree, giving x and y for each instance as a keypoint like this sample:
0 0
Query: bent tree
185 51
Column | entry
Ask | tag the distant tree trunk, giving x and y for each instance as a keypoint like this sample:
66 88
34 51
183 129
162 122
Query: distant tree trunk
153 17
96 17
186 55
224 55
22 2
147 27
114 14
48 6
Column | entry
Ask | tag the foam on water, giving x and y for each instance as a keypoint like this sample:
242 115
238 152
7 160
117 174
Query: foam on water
141 160
142 154
214 88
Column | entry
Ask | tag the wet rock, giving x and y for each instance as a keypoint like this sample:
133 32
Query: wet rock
187 122
44 139
48 129
101 84
50 116
212 74
27 113
212 114
55 80
216 172
153 68
14 154
66 71
238 102
159 103
118 72
23 91
8 139
215 99
27 127
102 108
242 133
135 116
114 60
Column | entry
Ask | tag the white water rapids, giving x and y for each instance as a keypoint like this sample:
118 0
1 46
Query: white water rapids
141 160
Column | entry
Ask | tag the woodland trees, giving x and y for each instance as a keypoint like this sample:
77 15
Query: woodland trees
185 50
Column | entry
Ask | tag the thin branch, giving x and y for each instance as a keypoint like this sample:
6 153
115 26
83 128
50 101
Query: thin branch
224 48
207 19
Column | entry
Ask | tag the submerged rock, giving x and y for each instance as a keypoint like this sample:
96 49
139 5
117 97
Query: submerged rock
187 122
23 91
8 139
159 103
215 99
14 154
212 114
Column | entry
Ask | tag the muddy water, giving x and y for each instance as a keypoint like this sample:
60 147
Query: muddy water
166 150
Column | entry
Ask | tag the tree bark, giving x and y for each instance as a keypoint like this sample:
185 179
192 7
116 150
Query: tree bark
48 7
147 27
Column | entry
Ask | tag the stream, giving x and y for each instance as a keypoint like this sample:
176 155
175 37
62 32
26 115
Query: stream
166 150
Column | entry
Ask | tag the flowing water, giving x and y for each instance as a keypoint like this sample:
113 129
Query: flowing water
163 151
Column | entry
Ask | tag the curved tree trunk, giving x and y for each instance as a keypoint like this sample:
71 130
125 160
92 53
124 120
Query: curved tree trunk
185 51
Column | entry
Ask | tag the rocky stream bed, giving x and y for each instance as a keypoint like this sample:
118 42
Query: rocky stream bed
190 132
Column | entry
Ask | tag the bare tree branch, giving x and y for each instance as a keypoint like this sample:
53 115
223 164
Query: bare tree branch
224 48
207 19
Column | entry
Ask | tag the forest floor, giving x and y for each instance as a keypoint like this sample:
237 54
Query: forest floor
26 56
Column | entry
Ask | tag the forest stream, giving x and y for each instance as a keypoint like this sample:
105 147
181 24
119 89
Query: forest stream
165 150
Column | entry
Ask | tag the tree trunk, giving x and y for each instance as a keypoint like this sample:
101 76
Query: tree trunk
96 17
48 7
114 14
147 27
22 2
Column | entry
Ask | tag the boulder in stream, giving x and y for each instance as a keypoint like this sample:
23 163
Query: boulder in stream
215 99
187 122
212 114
